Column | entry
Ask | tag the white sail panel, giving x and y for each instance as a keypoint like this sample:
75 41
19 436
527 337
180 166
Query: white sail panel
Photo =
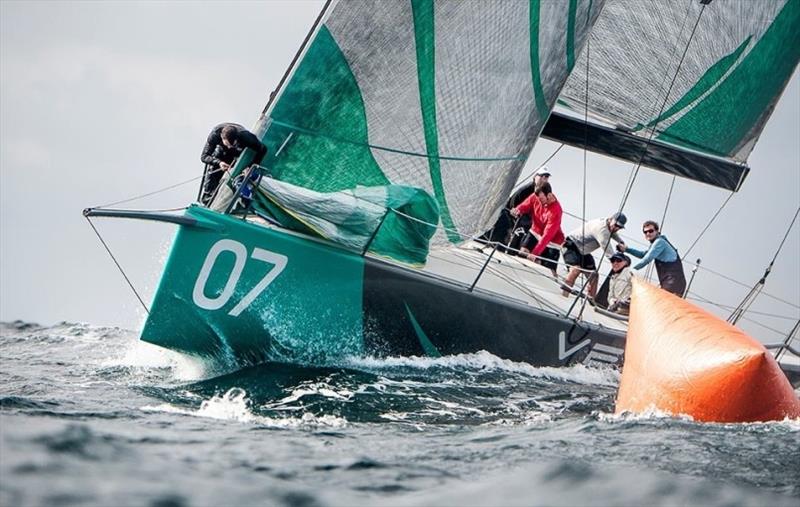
484 103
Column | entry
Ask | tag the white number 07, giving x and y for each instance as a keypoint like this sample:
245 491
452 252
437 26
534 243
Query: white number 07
240 251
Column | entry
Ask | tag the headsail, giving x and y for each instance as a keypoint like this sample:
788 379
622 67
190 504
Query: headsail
740 56
448 96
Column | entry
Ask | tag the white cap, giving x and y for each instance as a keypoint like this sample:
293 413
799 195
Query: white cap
542 171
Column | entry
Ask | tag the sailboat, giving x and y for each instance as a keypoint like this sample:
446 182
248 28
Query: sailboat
394 140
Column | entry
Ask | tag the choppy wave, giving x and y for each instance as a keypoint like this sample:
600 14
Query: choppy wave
235 406
101 418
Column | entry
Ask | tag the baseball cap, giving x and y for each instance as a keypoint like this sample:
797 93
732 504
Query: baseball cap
620 219
617 257
542 171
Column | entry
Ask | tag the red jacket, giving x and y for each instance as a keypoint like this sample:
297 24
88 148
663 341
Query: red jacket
546 221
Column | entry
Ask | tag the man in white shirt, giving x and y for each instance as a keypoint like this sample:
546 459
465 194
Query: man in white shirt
580 244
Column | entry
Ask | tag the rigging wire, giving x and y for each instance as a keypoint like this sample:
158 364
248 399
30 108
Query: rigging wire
760 324
751 296
729 308
522 180
130 284
583 197
708 225
635 171
742 284
170 187
650 266
652 133
789 339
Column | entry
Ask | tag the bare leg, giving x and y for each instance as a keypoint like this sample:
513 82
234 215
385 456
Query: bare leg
569 281
592 286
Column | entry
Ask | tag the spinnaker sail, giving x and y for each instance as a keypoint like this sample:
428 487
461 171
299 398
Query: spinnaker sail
446 96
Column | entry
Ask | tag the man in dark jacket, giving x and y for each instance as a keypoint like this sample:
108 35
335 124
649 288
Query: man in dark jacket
224 145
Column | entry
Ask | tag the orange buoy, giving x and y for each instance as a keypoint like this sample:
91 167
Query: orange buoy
681 359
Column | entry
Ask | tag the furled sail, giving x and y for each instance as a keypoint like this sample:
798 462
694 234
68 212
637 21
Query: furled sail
740 54
448 96
389 220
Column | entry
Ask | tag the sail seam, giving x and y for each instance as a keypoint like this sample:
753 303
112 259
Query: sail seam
306 131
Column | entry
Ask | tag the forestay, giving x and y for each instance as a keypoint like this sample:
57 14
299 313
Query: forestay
447 96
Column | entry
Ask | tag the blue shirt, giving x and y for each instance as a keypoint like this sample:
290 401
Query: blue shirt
659 249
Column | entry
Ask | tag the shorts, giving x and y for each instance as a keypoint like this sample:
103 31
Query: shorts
573 257
549 256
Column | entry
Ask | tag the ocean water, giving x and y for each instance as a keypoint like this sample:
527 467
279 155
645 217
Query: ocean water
91 416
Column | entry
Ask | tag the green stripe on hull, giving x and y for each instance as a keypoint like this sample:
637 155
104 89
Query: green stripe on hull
249 293
424 38
425 342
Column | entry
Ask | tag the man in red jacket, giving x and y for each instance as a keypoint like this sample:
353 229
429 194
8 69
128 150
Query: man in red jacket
545 211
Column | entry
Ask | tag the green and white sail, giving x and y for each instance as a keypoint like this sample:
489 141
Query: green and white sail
740 54
447 96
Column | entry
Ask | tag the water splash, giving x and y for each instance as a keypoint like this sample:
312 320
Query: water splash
234 405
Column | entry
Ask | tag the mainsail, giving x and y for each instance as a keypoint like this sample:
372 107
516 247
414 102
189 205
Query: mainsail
739 56
447 96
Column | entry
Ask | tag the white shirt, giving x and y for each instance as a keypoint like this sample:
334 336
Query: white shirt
593 235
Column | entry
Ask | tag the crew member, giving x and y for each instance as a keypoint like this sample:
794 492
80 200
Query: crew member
580 244
224 145
546 213
668 262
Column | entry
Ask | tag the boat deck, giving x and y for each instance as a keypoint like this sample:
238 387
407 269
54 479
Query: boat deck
516 278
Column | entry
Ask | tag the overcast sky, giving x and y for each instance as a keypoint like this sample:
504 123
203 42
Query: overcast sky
101 101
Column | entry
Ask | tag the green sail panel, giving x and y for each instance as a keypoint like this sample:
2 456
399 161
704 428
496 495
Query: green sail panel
310 155
728 118
708 81
424 39
538 91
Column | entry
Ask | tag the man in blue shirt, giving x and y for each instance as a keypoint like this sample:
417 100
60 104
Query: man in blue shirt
668 262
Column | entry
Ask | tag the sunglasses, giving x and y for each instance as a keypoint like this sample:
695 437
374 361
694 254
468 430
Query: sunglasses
649 231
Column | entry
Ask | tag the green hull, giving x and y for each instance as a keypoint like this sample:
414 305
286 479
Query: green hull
242 294
246 292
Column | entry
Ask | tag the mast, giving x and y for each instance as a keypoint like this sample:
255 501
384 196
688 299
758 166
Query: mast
299 52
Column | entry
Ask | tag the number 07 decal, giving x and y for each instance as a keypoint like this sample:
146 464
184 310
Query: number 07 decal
240 252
